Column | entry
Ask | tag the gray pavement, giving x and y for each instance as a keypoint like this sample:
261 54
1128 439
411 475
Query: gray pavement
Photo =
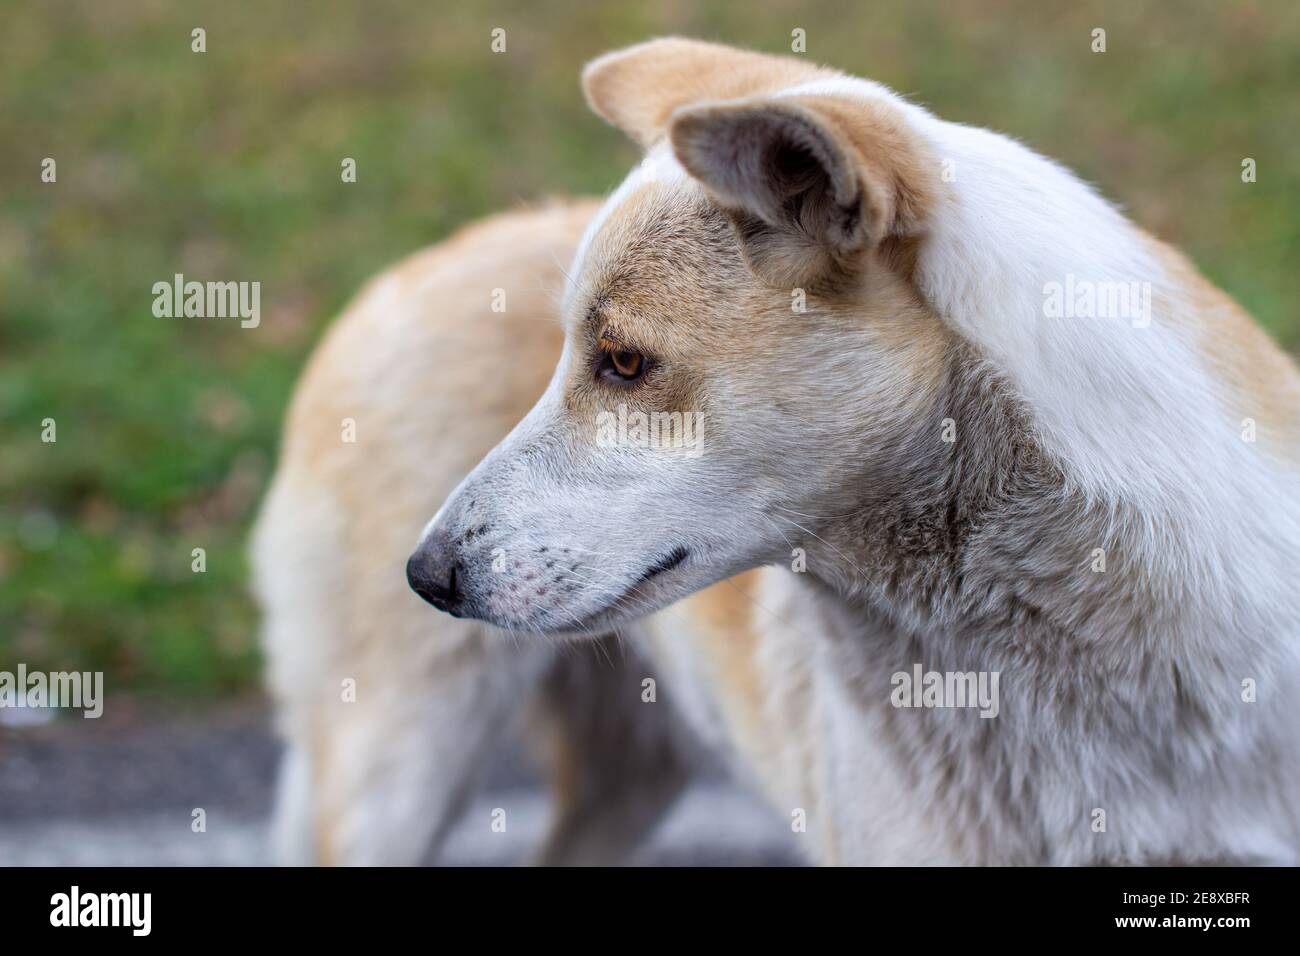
120 791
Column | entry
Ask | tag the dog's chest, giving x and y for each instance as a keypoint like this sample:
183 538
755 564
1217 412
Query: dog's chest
882 747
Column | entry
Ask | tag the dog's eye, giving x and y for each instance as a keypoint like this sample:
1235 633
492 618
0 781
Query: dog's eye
622 365
627 364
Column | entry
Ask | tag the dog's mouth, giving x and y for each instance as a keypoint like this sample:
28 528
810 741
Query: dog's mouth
632 595
674 557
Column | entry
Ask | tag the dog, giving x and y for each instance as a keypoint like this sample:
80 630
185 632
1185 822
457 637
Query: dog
936 445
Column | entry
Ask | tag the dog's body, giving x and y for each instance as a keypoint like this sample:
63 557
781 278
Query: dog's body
1104 513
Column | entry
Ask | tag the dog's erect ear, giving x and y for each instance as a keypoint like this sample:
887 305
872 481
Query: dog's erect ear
810 182
638 88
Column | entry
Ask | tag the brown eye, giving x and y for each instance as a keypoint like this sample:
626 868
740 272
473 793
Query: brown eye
621 365
627 364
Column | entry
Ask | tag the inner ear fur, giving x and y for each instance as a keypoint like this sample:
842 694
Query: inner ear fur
810 182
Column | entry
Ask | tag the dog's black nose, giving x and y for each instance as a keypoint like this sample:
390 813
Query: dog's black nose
431 572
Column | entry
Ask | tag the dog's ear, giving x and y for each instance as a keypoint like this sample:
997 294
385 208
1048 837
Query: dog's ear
638 88
811 183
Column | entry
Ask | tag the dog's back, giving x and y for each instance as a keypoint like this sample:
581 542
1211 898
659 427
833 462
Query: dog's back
420 377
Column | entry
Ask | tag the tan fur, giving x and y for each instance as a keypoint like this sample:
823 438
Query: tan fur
640 297
1264 383
638 88
727 636
893 161
432 378
772 668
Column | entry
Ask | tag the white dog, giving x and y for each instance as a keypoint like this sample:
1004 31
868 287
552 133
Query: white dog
1023 487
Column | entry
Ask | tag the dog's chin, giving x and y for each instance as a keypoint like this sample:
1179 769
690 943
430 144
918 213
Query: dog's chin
621 611
640 598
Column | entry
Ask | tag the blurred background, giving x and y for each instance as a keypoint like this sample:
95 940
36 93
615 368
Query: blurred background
226 164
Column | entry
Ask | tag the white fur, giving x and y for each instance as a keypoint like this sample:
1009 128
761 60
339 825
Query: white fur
1137 421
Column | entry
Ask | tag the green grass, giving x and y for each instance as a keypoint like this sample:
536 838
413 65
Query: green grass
225 165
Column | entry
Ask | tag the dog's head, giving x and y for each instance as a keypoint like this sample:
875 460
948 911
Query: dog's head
741 339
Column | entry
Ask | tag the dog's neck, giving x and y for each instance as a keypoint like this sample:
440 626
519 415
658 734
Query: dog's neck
969 548
977 555
968 474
